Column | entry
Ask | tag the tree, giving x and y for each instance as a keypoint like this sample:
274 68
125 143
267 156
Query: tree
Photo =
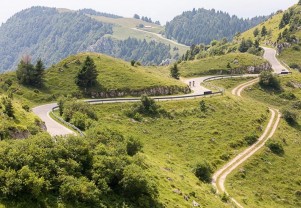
136 16
256 32
174 71
29 74
133 62
299 3
87 76
39 73
203 106
148 106
264 31
268 80
8 107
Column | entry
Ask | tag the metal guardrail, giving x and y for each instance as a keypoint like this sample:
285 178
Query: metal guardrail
123 100
65 122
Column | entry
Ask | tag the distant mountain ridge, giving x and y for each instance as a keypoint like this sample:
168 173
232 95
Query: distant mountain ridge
203 26
51 35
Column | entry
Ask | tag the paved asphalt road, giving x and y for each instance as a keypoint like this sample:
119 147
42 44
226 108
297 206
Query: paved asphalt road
270 55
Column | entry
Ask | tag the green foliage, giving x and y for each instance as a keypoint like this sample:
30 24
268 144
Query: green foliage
203 171
8 107
289 115
87 76
276 147
28 74
79 120
245 45
174 71
264 31
203 26
133 146
133 62
256 32
252 139
136 183
79 191
203 106
147 106
270 81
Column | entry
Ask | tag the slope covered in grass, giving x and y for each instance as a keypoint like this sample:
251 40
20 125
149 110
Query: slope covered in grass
116 78
21 124
232 63
279 182
174 144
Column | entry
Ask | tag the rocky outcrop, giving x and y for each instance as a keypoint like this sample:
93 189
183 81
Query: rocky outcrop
19 134
154 91
282 46
258 69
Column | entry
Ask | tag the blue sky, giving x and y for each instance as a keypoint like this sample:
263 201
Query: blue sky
162 10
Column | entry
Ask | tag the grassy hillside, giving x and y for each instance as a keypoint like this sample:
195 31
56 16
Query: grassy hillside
124 28
219 64
114 75
279 181
21 125
191 136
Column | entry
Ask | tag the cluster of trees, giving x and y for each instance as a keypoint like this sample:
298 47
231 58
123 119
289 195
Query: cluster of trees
28 74
103 169
146 19
203 26
250 47
96 13
146 53
263 32
286 19
78 113
51 37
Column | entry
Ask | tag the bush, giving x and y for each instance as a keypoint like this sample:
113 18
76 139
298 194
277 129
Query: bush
268 80
294 66
276 147
203 171
147 106
297 105
79 120
133 146
288 96
289 115
252 139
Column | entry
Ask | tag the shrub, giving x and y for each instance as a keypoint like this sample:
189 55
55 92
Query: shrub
79 120
268 80
148 106
297 105
252 139
289 115
26 108
203 171
288 96
133 146
294 66
276 147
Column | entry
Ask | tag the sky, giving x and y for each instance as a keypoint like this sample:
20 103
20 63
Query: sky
162 10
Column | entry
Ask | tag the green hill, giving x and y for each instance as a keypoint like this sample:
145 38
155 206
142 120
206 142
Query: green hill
283 33
232 63
49 38
269 179
116 78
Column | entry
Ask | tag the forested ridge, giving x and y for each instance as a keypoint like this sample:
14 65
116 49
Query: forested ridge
203 26
55 35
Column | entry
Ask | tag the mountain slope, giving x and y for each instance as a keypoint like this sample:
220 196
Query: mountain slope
117 78
58 33
203 26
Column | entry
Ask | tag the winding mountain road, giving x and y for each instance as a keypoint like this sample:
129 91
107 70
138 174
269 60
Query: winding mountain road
56 129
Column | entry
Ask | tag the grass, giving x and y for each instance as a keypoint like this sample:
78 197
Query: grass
24 123
114 74
291 56
123 29
227 83
279 180
174 145
218 64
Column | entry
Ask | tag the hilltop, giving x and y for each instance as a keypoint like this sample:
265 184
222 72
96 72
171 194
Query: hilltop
116 78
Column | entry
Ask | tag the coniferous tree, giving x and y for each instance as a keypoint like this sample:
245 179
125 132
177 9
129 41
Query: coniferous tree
87 76
9 109
264 31
174 71
25 71
256 32
39 72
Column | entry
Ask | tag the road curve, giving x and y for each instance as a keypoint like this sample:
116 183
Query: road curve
270 56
